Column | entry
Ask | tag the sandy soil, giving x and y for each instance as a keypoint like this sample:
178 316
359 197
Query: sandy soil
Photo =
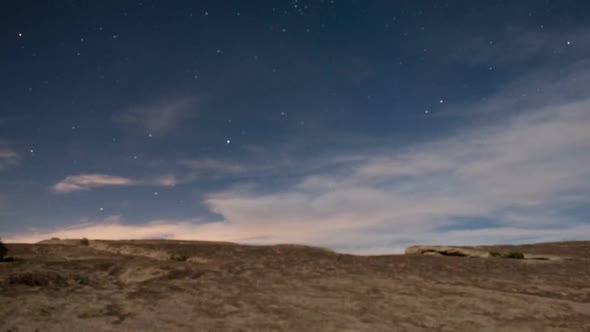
135 286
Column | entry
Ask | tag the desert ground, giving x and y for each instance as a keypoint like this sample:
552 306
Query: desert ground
153 285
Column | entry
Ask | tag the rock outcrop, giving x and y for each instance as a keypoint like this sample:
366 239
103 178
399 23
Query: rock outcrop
445 251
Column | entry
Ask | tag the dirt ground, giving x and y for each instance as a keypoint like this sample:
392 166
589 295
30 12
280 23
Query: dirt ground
209 286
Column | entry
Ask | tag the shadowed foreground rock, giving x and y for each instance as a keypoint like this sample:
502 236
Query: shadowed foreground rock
62 285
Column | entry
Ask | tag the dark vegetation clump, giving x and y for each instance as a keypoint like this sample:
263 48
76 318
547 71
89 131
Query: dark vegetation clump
3 250
55 239
85 242
178 257
513 255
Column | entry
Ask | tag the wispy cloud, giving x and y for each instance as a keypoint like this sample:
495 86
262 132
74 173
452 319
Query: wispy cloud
91 181
160 116
8 158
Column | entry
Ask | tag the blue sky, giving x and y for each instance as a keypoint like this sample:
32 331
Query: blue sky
359 126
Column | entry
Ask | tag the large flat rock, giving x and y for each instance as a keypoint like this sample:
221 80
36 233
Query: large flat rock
134 286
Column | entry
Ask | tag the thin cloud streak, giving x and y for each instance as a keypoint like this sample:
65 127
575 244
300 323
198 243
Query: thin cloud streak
162 116
91 181
8 158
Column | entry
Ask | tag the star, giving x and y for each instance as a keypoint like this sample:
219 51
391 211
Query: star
150 135
32 151
155 193
441 101
101 209
426 111
228 141
569 43
20 34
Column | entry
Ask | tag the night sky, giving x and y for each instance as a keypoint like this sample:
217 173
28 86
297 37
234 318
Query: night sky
362 126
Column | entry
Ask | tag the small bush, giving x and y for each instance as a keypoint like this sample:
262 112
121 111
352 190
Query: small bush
514 255
3 250
85 242
495 254
178 257
54 239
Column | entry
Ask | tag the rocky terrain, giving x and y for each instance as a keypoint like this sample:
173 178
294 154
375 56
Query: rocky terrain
71 285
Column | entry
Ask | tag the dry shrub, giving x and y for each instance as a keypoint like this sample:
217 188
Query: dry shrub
3 250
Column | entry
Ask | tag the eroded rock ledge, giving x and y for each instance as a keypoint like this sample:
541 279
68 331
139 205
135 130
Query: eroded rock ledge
467 252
